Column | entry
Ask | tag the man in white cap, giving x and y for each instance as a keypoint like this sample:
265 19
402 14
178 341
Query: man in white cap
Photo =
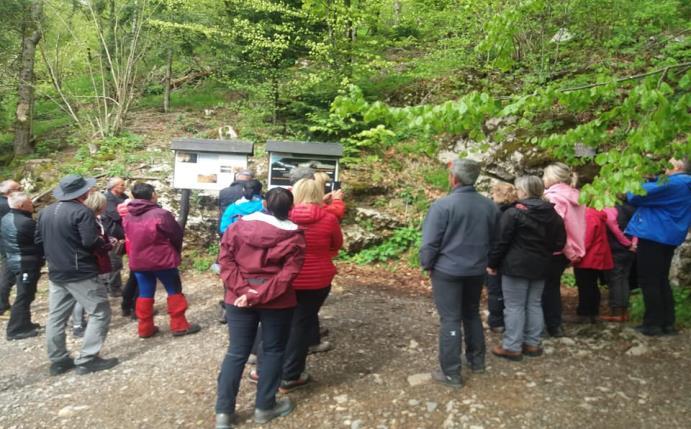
69 234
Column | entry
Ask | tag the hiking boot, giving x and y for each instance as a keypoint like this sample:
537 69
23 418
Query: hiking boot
96 364
78 331
282 408
61 366
153 333
448 380
497 329
193 329
616 314
290 385
669 331
322 347
556 331
501 352
477 368
532 351
224 421
23 335
649 331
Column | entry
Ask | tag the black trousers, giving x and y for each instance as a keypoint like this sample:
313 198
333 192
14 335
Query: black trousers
302 330
495 301
20 315
129 293
7 280
551 295
652 263
588 291
458 303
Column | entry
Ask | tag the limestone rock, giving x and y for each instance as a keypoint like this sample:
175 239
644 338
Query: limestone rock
419 379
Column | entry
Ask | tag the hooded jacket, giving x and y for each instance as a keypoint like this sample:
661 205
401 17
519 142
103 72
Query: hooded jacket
663 215
153 237
69 234
458 233
238 209
598 255
18 232
260 257
112 221
530 232
565 200
323 238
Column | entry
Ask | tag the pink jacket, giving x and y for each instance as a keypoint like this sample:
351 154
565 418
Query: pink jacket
613 227
565 200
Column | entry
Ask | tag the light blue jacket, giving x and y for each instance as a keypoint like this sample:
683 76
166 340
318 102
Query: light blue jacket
238 209
662 215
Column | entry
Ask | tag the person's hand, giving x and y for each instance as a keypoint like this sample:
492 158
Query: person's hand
337 194
241 301
327 198
576 260
633 247
491 271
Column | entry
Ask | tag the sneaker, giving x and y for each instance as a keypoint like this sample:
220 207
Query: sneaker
322 347
532 351
193 329
290 385
61 366
477 368
23 335
253 376
282 408
96 364
448 380
224 421
497 329
501 352
78 331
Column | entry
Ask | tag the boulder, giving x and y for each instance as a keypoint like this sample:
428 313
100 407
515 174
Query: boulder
377 220
356 238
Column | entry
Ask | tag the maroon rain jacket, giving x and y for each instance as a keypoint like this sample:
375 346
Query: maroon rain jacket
153 237
260 257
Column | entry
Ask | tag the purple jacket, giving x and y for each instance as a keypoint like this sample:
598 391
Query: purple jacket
153 237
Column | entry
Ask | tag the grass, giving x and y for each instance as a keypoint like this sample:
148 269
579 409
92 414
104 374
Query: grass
682 307
207 95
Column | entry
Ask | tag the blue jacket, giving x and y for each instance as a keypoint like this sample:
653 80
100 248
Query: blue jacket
238 209
662 215
458 233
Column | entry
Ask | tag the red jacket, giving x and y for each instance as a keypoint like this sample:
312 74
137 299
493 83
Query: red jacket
598 255
337 207
153 237
323 237
260 257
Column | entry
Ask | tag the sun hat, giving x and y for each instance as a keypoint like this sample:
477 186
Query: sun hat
73 186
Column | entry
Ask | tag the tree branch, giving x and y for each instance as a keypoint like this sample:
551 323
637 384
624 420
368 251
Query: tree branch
624 79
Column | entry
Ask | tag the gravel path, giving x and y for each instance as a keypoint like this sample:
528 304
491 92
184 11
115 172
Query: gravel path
384 331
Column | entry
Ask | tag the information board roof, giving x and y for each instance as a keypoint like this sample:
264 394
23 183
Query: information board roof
309 148
218 146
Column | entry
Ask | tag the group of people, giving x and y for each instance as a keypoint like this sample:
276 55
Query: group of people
520 245
83 237
275 261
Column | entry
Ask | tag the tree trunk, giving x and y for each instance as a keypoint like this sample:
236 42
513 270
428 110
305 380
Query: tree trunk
25 91
166 87
397 12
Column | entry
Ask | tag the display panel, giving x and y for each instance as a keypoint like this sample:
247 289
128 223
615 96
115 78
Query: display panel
206 170
282 163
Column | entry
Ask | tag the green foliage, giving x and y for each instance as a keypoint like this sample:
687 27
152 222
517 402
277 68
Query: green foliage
401 240
568 280
682 307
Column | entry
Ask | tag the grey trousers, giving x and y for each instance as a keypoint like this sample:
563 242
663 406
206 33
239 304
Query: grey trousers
92 295
114 278
523 318
458 302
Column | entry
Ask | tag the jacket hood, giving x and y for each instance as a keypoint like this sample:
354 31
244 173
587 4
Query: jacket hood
538 209
264 231
305 214
245 207
563 192
139 207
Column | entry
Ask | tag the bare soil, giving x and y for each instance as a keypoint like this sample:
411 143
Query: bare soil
384 328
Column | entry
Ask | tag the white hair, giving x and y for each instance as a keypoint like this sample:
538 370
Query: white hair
17 199
113 182
7 185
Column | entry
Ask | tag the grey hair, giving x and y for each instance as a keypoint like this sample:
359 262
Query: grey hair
558 173
531 186
113 182
6 186
298 173
466 171
96 201
16 199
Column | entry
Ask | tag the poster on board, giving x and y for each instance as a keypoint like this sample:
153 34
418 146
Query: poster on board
282 163
206 170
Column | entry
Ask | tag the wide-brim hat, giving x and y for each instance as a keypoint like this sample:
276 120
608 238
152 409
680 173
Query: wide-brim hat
73 186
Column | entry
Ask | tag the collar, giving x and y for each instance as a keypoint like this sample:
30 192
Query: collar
462 189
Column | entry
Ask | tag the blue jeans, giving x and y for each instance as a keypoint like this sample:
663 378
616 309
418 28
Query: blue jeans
523 318
146 280
242 328
458 303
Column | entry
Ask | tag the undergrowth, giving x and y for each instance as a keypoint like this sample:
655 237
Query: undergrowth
682 301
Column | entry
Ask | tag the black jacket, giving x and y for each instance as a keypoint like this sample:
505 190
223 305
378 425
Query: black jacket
18 230
529 233
69 234
4 209
112 222
228 196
